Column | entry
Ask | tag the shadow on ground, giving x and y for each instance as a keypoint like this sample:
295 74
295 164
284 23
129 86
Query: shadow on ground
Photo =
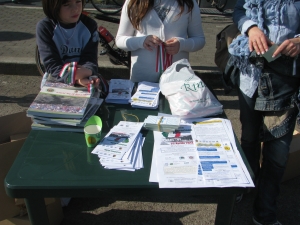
14 36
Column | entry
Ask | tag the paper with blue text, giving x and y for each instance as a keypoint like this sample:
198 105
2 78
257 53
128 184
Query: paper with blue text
201 153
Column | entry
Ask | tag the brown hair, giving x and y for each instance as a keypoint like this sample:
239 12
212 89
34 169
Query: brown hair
52 7
137 9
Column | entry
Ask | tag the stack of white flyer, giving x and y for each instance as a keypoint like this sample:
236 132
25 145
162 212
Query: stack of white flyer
146 95
201 153
121 148
119 91
162 123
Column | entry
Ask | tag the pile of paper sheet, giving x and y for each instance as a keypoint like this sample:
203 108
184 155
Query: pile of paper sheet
161 123
120 91
146 95
201 153
121 148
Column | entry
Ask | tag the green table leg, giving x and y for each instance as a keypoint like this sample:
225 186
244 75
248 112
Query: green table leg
225 209
37 211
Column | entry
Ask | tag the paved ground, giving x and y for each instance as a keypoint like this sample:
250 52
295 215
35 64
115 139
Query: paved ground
19 84
17 39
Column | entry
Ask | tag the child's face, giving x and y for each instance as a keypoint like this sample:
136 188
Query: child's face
70 11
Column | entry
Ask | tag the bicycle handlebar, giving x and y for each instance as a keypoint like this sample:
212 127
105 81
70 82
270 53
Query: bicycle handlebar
116 55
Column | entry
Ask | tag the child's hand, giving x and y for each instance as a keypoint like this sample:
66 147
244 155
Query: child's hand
151 42
89 80
95 80
82 72
172 46
84 77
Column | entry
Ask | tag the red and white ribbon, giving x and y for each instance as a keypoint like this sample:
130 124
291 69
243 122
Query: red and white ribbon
163 59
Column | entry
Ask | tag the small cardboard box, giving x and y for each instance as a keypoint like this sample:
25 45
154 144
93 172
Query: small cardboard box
14 129
293 164
13 132
10 125
54 211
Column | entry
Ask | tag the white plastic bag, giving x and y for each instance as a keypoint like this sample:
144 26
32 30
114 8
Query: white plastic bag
187 94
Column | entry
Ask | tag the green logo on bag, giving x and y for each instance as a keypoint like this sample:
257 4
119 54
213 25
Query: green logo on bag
194 86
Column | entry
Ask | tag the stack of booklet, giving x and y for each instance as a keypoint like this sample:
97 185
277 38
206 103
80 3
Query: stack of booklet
162 123
61 107
146 95
119 91
121 148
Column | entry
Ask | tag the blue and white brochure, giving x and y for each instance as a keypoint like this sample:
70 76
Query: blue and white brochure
118 140
146 96
119 91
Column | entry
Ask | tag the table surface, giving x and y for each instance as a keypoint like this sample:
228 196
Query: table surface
59 164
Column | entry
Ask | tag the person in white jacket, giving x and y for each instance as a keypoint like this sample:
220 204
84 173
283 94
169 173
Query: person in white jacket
158 33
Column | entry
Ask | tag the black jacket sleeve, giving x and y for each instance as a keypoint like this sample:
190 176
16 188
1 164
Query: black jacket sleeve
47 48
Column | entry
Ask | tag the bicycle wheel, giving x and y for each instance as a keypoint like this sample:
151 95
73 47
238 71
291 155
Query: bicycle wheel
220 4
118 2
108 7
38 62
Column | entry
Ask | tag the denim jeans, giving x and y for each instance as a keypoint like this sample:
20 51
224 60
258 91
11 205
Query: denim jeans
275 153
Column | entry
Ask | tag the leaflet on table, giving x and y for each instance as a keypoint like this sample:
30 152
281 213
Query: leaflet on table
140 161
144 101
119 91
176 159
210 161
125 162
118 140
184 129
147 95
246 177
131 160
136 164
153 177
219 157
138 158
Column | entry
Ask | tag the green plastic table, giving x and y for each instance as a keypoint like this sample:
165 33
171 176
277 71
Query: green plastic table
59 164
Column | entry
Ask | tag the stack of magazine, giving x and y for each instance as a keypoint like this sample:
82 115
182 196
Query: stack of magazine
119 91
61 107
121 148
146 95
